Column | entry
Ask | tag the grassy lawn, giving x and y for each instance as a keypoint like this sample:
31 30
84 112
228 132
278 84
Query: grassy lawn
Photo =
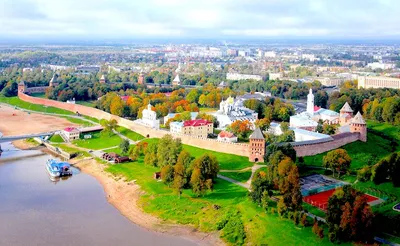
72 150
361 153
386 128
15 101
78 121
129 133
116 150
207 110
56 139
86 103
40 95
98 141
260 227
239 176
226 161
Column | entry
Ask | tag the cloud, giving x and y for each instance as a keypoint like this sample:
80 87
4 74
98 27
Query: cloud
119 19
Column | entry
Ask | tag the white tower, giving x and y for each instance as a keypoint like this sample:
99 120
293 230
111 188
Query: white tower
310 103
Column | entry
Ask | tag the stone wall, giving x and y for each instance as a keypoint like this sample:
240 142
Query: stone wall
210 144
307 148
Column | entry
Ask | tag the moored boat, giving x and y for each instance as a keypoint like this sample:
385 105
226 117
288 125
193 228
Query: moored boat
58 169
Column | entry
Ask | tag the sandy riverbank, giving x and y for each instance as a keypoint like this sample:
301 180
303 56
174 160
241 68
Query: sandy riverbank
16 122
125 196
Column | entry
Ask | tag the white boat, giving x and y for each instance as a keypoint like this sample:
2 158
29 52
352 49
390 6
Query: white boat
58 169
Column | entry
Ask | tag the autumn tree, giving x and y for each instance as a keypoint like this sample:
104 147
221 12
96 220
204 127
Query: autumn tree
109 126
150 157
205 170
124 146
167 174
263 124
179 178
241 128
260 185
337 160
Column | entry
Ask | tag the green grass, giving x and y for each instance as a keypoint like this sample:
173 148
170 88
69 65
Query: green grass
72 150
361 153
242 176
15 101
56 139
40 95
91 104
78 121
207 110
226 161
98 141
116 150
386 128
259 227
129 133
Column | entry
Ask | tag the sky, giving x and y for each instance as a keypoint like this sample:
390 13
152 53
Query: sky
166 19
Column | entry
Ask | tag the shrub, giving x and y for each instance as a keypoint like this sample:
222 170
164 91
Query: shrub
232 228
364 174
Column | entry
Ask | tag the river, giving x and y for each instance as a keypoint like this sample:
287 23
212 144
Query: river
74 211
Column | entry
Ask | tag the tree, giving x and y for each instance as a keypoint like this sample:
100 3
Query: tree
167 174
320 128
185 159
241 128
179 178
168 150
124 146
11 89
205 170
260 185
109 126
150 157
337 160
263 124
117 106
198 186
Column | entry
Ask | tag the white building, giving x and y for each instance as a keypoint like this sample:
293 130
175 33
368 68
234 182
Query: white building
70 133
275 76
238 76
225 136
270 54
299 134
376 65
193 116
378 82
176 127
232 110
149 118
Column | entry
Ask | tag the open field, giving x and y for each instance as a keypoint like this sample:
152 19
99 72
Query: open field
235 209
35 107
56 139
25 123
226 161
86 103
98 141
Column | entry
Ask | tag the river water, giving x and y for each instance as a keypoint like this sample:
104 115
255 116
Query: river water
36 211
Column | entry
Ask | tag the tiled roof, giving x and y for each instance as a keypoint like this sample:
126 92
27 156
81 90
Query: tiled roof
346 108
225 134
70 129
199 122
358 119
316 108
257 134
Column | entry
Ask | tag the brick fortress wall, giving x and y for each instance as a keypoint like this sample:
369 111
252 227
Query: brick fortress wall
210 144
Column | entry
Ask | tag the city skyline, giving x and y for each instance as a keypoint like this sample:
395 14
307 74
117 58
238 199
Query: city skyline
208 19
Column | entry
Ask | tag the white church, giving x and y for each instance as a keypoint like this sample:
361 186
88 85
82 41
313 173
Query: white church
231 110
149 118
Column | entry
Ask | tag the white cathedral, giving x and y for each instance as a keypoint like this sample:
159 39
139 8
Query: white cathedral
149 118
231 110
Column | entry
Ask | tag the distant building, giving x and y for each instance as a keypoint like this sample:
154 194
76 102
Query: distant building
256 146
275 76
198 128
54 81
223 84
176 81
231 110
379 65
141 80
229 137
238 76
88 69
232 52
102 79
378 82
270 54
149 118
176 127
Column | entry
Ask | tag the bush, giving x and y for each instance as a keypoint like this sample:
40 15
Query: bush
364 174
232 228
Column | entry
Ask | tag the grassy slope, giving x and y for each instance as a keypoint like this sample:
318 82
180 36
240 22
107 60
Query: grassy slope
56 139
129 133
98 141
261 228
226 161
367 153
34 107
239 176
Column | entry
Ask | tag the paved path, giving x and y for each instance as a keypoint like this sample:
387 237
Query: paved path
247 186
254 168
126 138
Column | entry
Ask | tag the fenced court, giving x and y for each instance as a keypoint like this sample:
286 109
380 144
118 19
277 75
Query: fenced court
317 183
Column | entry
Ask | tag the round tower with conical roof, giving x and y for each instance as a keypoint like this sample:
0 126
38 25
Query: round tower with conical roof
358 124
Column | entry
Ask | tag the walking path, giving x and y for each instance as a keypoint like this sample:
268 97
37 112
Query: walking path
247 186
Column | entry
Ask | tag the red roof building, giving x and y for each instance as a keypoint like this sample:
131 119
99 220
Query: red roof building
316 108
198 128
227 137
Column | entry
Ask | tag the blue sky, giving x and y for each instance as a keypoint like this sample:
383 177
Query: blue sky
131 19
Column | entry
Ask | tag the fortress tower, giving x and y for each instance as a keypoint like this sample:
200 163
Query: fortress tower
358 125
141 80
346 113
54 81
310 103
256 146
21 86
102 79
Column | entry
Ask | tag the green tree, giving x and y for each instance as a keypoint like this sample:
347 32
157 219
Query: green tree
150 157
179 178
337 160
109 126
259 185
167 174
124 146
168 150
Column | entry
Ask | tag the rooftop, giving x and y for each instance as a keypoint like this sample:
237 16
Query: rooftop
346 108
225 134
70 129
199 122
358 119
257 134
